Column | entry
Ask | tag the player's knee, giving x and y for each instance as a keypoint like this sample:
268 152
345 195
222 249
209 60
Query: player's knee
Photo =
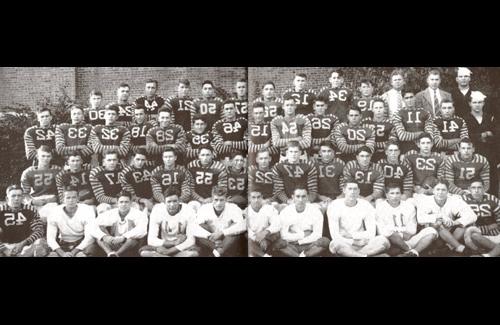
430 231
323 242
382 241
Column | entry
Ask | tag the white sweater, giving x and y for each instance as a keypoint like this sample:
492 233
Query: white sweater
399 219
70 229
134 225
266 219
357 222
454 209
295 224
230 222
166 227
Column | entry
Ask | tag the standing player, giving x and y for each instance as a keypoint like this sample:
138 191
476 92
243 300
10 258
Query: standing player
94 115
76 175
396 170
303 97
260 135
260 176
43 134
150 101
352 135
105 182
465 166
272 103
448 129
166 135
196 138
381 126
74 136
139 129
181 105
125 109
230 133
237 181
135 179
365 102
241 99
208 105
339 97
322 126
20 226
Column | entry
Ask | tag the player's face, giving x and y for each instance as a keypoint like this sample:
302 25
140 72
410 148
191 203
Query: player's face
241 89
326 153
409 99
219 202
139 161
199 126
289 107
44 158
477 190
433 81
354 117
319 108
258 114
392 152
75 163
394 195
425 145
440 192
207 91
378 109
466 150
300 198
95 101
447 110
124 204
76 115
364 158
110 162
172 203
268 91
336 80
351 191
164 119
71 199
183 90
463 79
477 105
123 93
205 157
366 90
139 115
299 82
263 160
169 158
150 89
110 117
15 198
293 154
238 162
397 82
44 118
256 200
229 111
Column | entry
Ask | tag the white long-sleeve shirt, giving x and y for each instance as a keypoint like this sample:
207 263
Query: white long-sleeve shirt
295 224
133 226
357 222
402 218
266 219
454 209
70 229
230 222
166 227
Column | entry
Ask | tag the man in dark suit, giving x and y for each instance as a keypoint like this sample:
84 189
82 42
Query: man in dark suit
430 99
461 94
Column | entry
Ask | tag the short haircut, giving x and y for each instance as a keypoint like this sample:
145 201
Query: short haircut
300 188
269 83
152 81
446 101
242 80
475 180
293 144
320 99
123 85
126 194
354 108
288 96
219 191
466 140
366 81
237 153
364 149
70 188
45 148
74 153
197 117
338 71
430 181
434 72
328 144
110 152
207 82
391 143
229 101
13 187
301 75
397 72
169 150
113 108
206 147
442 181
76 106
164 109
262 151
95 92
423 136
141 151
185 82
44 109
378 100
171 191
391 186
347 182
259 105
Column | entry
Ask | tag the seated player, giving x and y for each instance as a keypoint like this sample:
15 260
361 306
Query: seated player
368 175
43 134
397 221
39 183
397 170
136 180
94 114
272 103
170 228
237 181
120 231
76 175
171 175
351 136
260 135
219 227
208 105
198 136
461 168
260 177
20 226
150 100
381 126
166 135
484 235
322 126
353 226
74 136
230 133
301 228
105 182
448 129
302 96
263 226
181 105
69 229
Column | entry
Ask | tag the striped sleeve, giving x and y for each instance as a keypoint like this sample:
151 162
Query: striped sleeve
496 209
279 185
29 144
440 168
370 142
151 144
312 180
180 142
347 176
485 172
275 134
243 144
449 176
195 195
339 139
400 130
124 143
378 185
60 185
222 180
186 186
37 228
464 132
26 181
156 186
408 179
217 141
95 142
97 187
123 178
305 142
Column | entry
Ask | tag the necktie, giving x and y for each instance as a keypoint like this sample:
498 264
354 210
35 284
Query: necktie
436 102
